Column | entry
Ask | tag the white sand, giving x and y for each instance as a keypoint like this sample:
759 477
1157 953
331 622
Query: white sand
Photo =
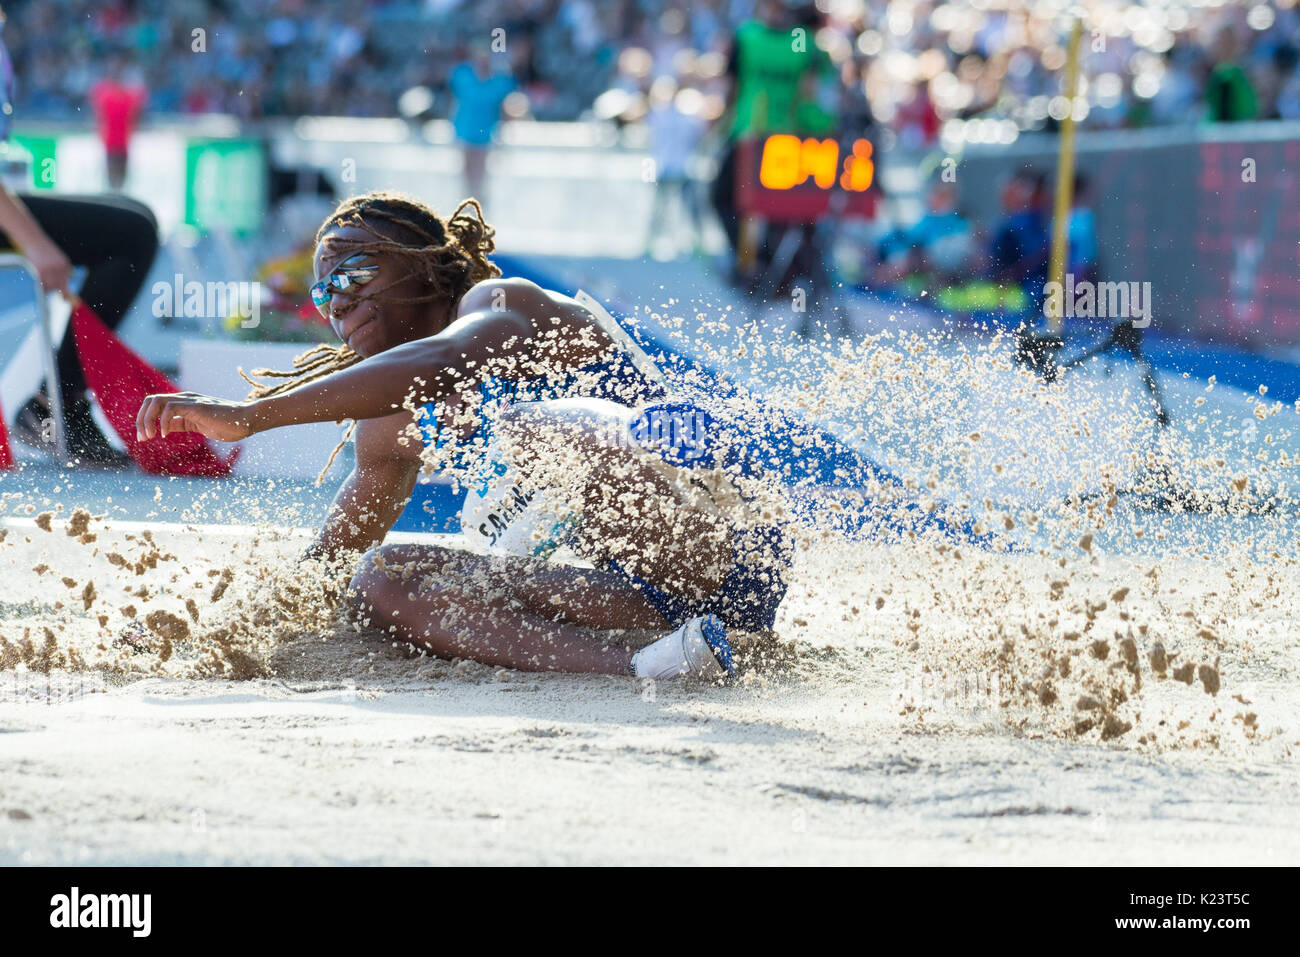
942 705
355 752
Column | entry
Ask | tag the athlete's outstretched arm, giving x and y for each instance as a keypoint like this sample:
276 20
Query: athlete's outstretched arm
430 369
503 318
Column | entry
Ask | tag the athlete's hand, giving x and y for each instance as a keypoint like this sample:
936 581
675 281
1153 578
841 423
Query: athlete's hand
220 419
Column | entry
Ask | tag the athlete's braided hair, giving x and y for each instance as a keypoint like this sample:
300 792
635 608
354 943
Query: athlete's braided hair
447 256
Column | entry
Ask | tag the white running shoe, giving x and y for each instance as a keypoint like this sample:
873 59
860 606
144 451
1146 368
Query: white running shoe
699 648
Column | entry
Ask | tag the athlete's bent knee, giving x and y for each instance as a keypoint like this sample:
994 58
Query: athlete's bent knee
369 581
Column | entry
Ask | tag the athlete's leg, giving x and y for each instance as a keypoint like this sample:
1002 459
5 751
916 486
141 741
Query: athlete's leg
649 516
511 612
589 597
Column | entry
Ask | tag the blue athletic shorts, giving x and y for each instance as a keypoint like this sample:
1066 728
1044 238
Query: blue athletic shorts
685 435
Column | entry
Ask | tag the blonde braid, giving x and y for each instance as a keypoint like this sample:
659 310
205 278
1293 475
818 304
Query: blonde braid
311 366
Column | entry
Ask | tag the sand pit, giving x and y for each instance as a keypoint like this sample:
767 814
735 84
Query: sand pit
1089 671
891 737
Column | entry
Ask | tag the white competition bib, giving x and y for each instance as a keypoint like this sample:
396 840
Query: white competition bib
506 517
510 519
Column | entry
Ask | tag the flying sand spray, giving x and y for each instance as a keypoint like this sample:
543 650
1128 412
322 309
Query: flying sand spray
502 513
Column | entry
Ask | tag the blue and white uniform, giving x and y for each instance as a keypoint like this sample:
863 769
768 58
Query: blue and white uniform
684 434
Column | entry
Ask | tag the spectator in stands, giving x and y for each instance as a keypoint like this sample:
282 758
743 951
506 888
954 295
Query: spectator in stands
676 128
118 102
1018 250
115 239
480 89
938 245
917 121
855 115
1279 71
1288 98
1082 233
1229 94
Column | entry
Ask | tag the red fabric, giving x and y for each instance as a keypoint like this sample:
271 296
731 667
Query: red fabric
121 380
6 456
116 107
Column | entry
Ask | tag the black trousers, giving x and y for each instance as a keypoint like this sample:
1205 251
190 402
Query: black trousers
722 193
115 239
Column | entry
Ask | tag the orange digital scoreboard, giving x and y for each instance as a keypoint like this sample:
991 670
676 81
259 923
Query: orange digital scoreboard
793 179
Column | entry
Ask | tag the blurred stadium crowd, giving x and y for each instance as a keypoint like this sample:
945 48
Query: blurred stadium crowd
699 83
917 62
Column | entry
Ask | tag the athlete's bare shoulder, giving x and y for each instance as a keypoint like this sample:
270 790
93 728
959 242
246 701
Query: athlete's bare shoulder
526 299
562 331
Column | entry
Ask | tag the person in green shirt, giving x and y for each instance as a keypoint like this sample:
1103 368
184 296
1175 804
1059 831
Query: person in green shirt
777 69
1229 93
781 82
